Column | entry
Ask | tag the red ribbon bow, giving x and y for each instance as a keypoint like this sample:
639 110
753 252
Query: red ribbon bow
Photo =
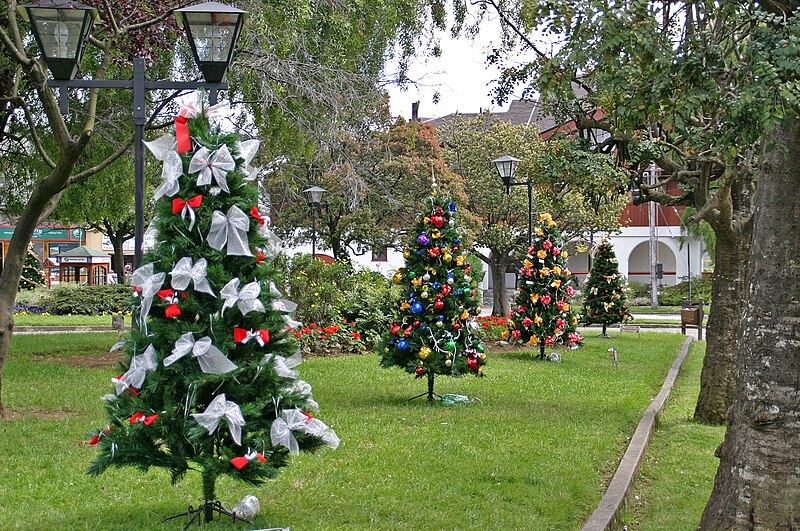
179 204
241 462
256 214
172 297
140 417
182 134
96 438
242 335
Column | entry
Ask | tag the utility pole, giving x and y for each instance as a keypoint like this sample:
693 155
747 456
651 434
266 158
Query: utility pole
650 177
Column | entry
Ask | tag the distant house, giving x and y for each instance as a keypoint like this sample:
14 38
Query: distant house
676 253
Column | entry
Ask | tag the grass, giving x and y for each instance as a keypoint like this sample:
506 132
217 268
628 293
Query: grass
534 452
65 320
678 473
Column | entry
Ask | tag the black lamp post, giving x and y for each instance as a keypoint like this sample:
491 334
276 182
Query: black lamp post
507 167
313 197
62 28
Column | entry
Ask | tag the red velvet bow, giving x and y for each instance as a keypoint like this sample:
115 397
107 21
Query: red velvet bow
242 335
241 462
178 204
256 214
182 134
172 297
260 257
96 438
140 417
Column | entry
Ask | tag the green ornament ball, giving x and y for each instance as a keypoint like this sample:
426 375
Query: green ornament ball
412 275
450 346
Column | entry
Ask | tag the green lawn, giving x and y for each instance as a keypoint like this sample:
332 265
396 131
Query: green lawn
65 320
678 473
530 454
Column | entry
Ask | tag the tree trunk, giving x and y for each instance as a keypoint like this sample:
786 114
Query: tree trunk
500 305
718 379
431 377
118 258
757 485
209 479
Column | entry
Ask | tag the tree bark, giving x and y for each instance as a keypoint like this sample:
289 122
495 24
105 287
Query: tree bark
757 485
498 266
718 379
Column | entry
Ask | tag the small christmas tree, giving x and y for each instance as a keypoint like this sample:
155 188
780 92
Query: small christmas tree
543 315
31 272
209 382
604 301
432 332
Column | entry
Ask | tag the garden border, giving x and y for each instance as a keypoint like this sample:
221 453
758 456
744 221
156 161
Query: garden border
618 490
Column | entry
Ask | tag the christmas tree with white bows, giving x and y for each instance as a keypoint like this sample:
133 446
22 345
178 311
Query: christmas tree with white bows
434 324
543 315
209 381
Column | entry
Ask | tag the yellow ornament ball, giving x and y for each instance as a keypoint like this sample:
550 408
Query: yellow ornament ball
424 352
406 254
448 362
447 258
397 278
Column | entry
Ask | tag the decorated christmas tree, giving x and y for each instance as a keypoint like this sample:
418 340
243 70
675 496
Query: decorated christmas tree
543 315
604 299
209 381
432 332
31 276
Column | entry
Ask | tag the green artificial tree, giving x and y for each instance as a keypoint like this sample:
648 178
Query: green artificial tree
604 299
543 315
434 322
209 382
31 272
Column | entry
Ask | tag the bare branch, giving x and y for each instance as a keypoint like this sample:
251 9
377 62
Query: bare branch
19 102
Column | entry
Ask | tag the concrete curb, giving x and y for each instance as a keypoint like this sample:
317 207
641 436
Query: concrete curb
618 490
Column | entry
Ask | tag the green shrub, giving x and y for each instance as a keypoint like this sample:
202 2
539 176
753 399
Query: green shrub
369 304
637 289
88 300
318 288
673 295
32 297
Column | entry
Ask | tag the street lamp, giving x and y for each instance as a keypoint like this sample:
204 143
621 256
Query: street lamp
62 28
507 167
313 197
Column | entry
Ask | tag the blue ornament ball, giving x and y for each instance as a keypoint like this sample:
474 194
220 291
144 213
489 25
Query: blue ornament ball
402 344
417 308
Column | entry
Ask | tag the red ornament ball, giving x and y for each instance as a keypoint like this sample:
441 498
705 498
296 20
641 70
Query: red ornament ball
420 371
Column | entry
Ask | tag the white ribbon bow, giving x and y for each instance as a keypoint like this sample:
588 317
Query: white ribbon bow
247 150
135 375
284 307
247 299
210 358
219 409
171 172
191 110
303 389
283 366
230 229
295 420
217 165
148 284
184 272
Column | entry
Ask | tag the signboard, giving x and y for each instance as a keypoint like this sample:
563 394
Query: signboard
46 234
83 259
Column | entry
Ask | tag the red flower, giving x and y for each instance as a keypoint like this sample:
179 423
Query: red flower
515 334
312 325
298 334
305 330
356 336
330 330
526 322
545 299
485 324
323 336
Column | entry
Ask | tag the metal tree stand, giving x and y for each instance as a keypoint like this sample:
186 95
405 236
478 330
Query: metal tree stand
430 394
207 509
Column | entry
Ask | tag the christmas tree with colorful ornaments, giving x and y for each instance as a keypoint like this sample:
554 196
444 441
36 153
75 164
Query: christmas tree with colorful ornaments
543 315
209 380
433 332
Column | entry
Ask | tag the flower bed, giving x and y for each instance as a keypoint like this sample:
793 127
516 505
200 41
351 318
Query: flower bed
330 340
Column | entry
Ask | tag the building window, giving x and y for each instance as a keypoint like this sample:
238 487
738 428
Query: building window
99 276
380 254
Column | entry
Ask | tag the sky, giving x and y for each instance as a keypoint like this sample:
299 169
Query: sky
459 75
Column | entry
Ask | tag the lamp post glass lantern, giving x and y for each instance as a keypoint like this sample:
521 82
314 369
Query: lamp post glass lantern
507 167
212 28
313 197
62 28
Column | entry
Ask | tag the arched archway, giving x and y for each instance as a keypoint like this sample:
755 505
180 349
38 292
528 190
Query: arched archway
639 263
